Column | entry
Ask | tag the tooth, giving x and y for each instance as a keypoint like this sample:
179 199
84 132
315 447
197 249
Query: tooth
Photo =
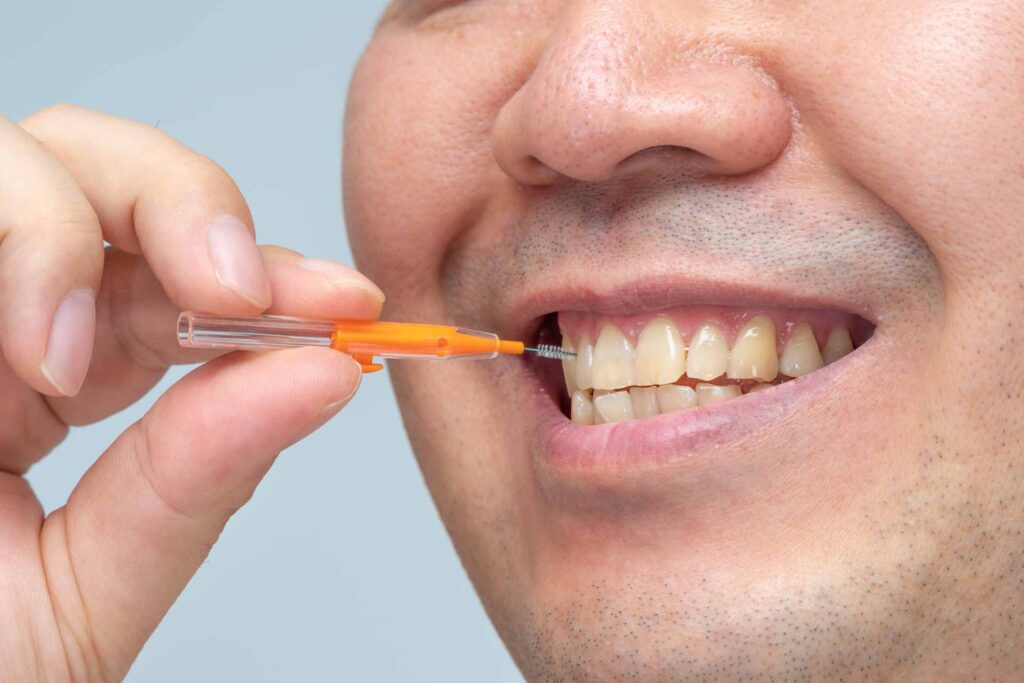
582 408
614 407
660 353
708 394
801 354
709 353
838 345
614 360
569 369
673 397
596 394
759 387
753 354
584 364
645 401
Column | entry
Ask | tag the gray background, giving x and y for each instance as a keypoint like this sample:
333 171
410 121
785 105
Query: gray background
339 568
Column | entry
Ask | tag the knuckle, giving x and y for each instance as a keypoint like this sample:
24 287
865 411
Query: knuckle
25 444
17 498
201 183
196 180
131 344
203 172
70 237
274 252
51 248
84 656
77 221
140 440
52 115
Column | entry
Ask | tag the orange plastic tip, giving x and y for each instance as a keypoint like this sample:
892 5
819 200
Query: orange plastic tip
513 347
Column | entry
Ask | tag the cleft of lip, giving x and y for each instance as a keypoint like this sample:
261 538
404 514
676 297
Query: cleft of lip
641 366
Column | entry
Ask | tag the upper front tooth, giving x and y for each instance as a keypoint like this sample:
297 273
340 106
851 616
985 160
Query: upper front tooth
801 354
614 360
709 353
660 354
614 407
838 345
753 354
569 370
584 363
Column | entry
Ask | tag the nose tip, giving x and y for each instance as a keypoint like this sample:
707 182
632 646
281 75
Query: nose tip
599 106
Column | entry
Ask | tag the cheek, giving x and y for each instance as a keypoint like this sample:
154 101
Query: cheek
921 104
417 155
923 107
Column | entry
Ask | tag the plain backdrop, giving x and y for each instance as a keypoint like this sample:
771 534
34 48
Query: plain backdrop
339 569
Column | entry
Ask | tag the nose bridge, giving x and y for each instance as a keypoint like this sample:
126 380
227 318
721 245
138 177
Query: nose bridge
619 77
588 69
566 114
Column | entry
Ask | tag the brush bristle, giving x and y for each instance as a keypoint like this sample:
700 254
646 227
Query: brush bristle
551 351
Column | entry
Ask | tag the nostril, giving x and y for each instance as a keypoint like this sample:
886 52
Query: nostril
535 173
667 159
664 150
535 165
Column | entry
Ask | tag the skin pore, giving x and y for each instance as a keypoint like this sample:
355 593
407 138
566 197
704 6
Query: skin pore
509 159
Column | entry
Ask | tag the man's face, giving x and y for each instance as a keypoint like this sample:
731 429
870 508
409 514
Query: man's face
657 178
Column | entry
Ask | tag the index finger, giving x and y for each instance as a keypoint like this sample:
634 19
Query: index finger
155 197
137 341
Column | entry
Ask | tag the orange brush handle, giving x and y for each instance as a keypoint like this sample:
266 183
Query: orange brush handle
362 339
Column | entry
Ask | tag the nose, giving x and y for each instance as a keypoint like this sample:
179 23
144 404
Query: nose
619 88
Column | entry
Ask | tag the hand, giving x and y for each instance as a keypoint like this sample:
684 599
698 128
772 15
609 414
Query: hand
83 588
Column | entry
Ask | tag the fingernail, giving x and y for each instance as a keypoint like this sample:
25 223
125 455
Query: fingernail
342 276
69 348
236 260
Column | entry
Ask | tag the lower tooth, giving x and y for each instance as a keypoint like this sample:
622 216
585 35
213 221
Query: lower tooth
645 401
759 387
582 410
708 394
673 397
615 406
596 394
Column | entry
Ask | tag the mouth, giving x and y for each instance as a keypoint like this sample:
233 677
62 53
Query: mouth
661 385
633 367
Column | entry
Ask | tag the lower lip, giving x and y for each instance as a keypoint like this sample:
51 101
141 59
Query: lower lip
613 455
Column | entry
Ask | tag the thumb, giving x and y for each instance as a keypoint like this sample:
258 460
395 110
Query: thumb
145 516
